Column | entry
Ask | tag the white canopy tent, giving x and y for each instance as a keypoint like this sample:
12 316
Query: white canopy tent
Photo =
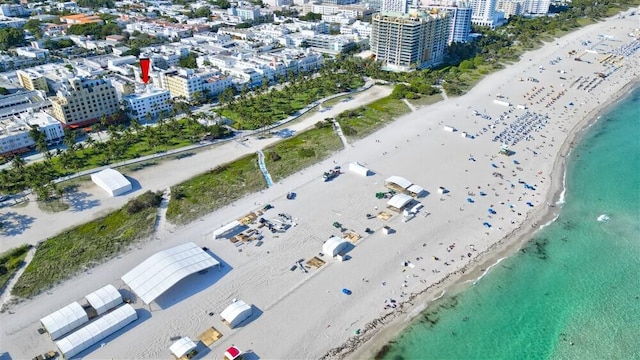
164 269
416 190
399 201
182 347
64 320
236 313
111 181
225 229
358 169
104 299
104 326
398 181
333 246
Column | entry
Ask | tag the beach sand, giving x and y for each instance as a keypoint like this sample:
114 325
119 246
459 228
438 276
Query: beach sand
305 315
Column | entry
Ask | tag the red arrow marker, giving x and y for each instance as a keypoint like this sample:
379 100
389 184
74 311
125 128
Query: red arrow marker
144 66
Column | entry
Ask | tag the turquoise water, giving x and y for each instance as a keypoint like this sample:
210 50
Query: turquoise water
574 291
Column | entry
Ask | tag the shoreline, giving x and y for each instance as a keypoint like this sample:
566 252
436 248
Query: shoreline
372 345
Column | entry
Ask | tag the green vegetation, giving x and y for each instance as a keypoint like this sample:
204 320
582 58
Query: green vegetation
87 245
215 188
123 144
96 4
266 107
60 44
10 37
33 26
296 153
189 61
99 31
366 119
310 16
10 262
4 91
427 100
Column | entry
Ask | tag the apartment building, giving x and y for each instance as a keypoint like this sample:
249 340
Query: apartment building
395 7
32 80
82 101
150 102
460 14
186 83
14 132
417 40
79 19
510 7
485 13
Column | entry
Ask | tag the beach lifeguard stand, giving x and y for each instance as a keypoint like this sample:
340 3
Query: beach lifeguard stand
504 150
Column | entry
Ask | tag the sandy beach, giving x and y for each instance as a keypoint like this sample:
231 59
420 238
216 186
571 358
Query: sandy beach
494 202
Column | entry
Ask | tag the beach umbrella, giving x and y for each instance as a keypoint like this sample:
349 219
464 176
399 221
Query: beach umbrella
486 224
491 211
346 291
530 204
482 193
470 200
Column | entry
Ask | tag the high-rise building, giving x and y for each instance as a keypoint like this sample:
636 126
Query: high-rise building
187 84
395 7
510 7
536 7
412 41
81 101
484 13
460 19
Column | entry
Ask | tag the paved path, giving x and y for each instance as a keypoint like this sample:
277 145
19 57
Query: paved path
263 168
6 293
338 129
410 105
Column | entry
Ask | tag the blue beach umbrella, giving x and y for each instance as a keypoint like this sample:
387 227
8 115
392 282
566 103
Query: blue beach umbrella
486 224
530 204
491 211
470 200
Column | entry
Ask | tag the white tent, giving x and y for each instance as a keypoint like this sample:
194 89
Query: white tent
104 299
399 181
236 313
416 190
104 326
399 201
333 246
182 347
164 269
225 229
64 320
111 181
358 169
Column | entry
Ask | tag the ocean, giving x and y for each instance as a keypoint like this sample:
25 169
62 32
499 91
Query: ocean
573 292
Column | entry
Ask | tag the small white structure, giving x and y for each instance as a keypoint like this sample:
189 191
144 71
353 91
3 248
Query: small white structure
398 182
182 347
64 320
164 269
333 246
104 326
449 128
416 190
441 190
227 228
104 299
236 313
112 182
501 102
399 201
522 107
358 169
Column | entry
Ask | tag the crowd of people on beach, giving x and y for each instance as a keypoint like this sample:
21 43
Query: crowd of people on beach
522 128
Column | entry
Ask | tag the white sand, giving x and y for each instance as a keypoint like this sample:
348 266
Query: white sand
306 315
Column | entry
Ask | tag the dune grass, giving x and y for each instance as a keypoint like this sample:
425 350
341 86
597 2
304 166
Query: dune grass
296 153
10 262
364 120
83 247
207 192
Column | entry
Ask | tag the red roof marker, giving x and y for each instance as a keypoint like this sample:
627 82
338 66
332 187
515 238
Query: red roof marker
144 66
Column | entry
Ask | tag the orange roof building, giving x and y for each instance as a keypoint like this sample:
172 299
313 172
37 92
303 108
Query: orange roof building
79 19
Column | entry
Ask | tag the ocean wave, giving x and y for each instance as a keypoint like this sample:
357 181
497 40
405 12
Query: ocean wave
603 218
487 271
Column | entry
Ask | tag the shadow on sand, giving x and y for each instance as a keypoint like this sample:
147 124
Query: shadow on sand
79 200
192 284
135 185
255 313
13 224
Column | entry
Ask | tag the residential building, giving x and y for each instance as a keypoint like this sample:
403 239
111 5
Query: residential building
339 2
22 102
187 84
536 7
14 132
83 101
395 7
11 10
149 103
79 19
511 7
13 22
246 14
485 13
417 40
460 14
32 80
33 53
